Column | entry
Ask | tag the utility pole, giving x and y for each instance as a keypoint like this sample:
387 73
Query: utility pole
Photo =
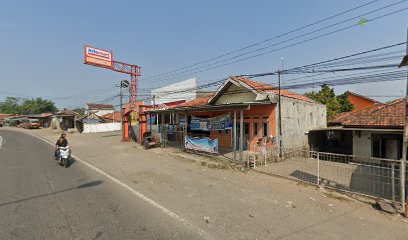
154 101
280 114
404 145
123 84
280 72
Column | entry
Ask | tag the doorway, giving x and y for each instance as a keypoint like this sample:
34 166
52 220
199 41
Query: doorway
246 136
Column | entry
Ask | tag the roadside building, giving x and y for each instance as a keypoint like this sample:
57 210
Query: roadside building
360 102
96 110
43 118
64 119
375 131
10 120
3 117
241 113
111 117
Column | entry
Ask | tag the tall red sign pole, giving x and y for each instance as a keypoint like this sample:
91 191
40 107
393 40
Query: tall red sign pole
104 59
135 73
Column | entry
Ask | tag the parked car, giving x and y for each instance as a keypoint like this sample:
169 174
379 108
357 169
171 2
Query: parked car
30 123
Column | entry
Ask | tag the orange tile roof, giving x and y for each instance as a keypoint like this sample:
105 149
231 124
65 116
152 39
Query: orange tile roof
201 101
377 116
259 87
266 88
116 116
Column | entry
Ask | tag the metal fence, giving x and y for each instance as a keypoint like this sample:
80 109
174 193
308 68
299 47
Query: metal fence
172 139
363 175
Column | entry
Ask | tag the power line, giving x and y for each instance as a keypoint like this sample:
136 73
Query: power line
315 65
192 71
334 61
266 40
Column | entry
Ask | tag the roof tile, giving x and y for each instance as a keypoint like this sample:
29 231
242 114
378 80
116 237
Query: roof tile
389 115
113 116
266 88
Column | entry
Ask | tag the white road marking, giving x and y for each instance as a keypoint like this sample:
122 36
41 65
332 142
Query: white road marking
1 141
134 192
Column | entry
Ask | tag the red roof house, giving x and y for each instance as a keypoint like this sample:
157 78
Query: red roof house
360 102
116 116
258 103
372 132
389 116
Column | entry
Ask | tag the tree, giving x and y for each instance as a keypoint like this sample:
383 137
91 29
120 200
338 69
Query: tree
80 111
335 104
14 105
10 106
37 105
345 104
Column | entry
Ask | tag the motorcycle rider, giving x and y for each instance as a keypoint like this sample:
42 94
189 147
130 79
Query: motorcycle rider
61 142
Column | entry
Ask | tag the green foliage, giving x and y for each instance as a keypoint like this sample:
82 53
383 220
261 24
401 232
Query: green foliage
10 106
335 104
80 111
345 104
14 105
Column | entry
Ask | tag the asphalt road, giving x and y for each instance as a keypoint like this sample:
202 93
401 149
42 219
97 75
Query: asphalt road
41 200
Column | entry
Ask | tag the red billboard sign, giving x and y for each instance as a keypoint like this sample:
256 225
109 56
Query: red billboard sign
98 57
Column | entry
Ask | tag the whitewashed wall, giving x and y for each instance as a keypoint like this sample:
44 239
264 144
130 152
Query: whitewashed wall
298 118
362 145
101 127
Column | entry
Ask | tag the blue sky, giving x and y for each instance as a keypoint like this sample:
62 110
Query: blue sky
42 42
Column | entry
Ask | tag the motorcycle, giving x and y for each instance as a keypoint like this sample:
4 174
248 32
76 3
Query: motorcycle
63 156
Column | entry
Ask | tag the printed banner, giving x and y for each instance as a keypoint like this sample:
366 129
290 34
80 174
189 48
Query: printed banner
211 124
201 144
134 118
151 120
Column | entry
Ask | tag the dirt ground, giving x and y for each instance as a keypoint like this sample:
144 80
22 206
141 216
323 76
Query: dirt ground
228 201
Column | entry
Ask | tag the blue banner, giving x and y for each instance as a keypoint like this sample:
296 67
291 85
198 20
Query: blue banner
151 120
211 124
201 144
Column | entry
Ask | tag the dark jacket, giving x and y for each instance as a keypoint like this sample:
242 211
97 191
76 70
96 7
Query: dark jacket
63 144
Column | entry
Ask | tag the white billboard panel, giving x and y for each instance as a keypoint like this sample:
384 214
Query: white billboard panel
185 90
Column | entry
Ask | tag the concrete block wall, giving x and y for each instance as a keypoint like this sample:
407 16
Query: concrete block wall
298 118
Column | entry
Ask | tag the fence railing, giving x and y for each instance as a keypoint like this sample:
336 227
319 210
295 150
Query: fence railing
374 177
172 139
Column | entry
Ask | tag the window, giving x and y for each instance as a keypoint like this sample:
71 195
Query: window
255 129
246 128
226 131
264 129
386 146
376 148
